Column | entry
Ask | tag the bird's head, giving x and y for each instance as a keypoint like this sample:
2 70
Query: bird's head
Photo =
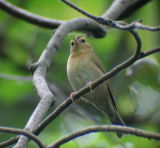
79 43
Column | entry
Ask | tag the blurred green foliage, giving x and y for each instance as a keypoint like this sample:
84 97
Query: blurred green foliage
136 87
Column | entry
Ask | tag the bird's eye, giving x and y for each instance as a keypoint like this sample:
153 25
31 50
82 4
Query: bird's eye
83 40
72 43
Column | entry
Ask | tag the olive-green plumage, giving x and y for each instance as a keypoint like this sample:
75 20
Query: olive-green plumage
83 67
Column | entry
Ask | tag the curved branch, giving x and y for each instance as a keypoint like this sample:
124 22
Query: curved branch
22 132
28 16
106 128
47 98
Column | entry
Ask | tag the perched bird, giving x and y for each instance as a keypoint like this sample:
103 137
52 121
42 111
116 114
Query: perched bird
83 67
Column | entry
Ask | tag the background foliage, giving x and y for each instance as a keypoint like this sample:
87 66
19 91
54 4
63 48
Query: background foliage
137 88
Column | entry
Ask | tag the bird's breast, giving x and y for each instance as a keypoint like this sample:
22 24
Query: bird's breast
81 70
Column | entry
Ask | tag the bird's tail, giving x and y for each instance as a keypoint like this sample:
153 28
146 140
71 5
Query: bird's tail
117 120
112 114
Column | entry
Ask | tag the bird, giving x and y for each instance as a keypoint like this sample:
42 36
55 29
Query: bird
83 67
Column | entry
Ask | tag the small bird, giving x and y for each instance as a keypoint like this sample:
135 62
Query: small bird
83 67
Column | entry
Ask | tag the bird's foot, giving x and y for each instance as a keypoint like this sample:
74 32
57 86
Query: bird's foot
72 96
89 84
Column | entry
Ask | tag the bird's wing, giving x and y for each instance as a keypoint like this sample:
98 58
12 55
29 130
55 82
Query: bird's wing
100 66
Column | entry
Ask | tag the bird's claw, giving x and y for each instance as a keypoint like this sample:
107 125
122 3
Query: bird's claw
72 96
89 84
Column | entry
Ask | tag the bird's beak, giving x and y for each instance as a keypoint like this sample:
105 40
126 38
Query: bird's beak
75 41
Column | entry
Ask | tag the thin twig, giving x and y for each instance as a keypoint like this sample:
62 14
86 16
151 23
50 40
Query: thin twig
106 128
149 52
12 77
22 132
144 27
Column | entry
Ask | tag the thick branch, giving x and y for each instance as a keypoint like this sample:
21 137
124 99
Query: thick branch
28 16
22 132
106 128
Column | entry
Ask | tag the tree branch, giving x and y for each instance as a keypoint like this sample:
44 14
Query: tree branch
149 52
28 16
106 128
22 132
114 24
12 77
10 141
